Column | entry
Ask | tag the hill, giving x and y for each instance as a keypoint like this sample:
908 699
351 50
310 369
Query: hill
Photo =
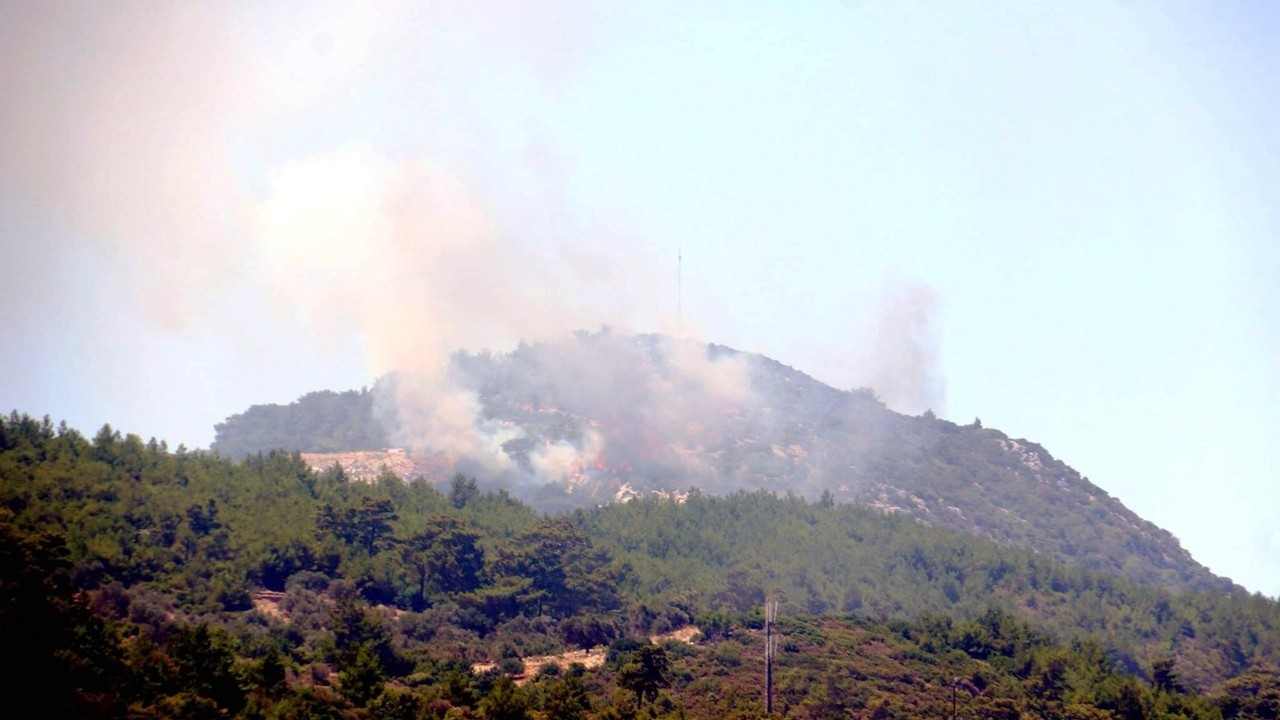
323 421
159 584
599 417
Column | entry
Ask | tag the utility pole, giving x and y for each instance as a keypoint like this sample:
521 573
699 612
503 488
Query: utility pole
954 683
770 647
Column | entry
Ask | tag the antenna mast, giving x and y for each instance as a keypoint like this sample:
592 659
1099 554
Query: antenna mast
679 292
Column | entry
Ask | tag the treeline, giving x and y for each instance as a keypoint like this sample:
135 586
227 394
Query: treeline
154 564
324 421
78 660
824 558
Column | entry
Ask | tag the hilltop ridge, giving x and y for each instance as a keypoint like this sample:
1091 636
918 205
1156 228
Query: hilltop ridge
600 416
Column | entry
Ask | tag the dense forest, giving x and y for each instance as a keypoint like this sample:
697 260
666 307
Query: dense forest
323 421
141 581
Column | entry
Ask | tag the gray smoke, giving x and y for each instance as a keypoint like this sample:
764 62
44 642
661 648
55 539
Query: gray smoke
559 411
901 361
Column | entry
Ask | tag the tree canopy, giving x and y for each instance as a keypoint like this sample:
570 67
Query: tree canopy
139 580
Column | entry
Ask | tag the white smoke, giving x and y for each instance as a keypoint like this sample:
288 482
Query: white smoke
131 149
902 358
652 401
897 353
402 251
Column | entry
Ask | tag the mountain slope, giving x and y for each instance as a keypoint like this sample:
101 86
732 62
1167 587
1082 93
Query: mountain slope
322 421
158 566
602 416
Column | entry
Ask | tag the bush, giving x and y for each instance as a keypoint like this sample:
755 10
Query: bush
588 631
620 650
308 580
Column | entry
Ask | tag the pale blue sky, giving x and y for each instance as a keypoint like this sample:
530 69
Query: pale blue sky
1086 190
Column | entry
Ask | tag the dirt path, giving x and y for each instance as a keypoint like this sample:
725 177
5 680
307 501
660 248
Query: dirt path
684 635
592 658
267 602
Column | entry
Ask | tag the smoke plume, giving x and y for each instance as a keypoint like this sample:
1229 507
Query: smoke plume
125 152
397 234
903 354
896 355
638 407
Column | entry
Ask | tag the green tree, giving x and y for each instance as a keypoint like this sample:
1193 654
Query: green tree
363 679
373 524
554 557
567 699
462 490
396 705
205 664
1254 694
505 701
105 445
1164 678
203 520
65 659
560 570
356 630
270 673
368 526
827 499
447 554
646 672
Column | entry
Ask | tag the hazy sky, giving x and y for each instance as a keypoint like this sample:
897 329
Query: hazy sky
1071 207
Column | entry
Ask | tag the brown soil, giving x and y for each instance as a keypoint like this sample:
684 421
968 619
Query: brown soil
684 635
592 658
267 602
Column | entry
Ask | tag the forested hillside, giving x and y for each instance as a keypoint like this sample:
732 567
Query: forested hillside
323 421
151 583
597 415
